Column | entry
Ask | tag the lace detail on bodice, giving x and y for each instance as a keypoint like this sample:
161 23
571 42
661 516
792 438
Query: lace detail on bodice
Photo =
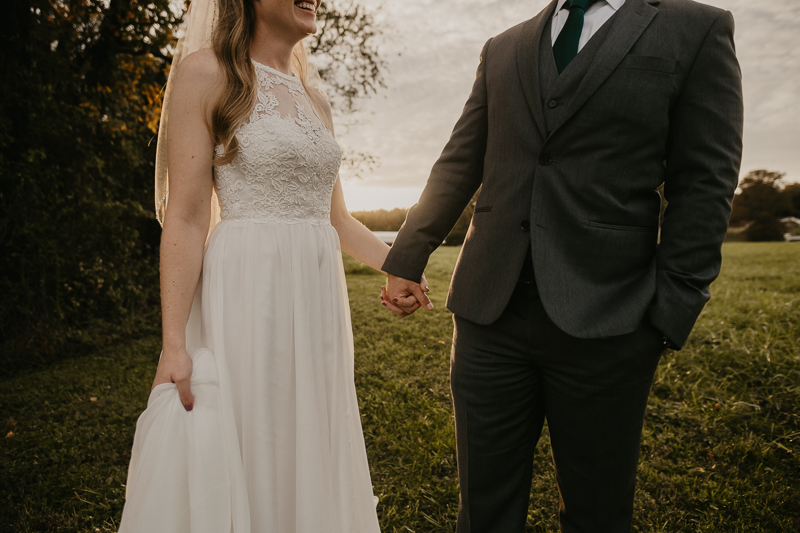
287 162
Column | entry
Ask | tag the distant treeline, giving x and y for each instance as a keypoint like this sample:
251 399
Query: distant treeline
763 200
383 220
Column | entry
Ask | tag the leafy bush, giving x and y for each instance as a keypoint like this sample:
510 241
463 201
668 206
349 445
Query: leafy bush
79 101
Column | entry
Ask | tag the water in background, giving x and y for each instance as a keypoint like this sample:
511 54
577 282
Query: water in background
386 236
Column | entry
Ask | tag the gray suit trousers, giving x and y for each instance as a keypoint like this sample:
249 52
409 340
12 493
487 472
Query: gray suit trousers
510 376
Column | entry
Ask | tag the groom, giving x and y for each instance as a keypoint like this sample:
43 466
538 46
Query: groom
566 294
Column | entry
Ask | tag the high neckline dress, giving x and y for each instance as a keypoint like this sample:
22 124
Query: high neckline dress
274 442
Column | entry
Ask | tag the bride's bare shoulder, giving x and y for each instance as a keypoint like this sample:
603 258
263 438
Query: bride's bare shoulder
203 60
199 72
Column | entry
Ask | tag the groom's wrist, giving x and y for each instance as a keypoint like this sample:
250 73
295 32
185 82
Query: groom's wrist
398 270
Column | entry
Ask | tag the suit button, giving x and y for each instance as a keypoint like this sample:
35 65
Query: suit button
525 225
545 158
552 104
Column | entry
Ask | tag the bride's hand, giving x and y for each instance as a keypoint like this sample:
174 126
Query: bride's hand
175 366
402 297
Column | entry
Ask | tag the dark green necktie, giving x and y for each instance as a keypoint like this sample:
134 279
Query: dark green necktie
566 46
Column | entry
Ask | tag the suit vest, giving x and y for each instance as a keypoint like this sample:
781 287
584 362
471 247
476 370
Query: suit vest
558 89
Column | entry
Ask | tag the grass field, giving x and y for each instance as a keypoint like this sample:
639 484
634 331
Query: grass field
720 445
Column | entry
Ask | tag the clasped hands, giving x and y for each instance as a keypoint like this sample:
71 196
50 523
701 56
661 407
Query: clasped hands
402 297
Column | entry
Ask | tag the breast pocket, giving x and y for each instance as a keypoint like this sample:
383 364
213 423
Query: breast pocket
637 96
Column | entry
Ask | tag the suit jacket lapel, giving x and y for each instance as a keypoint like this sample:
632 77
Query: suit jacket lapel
527 63
628 25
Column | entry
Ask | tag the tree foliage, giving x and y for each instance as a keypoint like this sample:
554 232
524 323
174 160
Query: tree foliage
80 87
761 202
79 90
792 192
346 52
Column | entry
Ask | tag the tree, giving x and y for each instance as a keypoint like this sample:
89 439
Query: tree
792 192
760 204
78 105
345 49
80 88
346 54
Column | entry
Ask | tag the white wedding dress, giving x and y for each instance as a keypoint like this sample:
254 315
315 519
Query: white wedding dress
274 442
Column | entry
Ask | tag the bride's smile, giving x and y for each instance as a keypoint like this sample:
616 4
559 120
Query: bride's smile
306 6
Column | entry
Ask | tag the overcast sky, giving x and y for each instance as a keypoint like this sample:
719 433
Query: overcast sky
433 52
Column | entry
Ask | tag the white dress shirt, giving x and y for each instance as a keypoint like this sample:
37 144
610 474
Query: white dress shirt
597 15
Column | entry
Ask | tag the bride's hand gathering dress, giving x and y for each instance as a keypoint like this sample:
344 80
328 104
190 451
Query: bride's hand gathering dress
274 443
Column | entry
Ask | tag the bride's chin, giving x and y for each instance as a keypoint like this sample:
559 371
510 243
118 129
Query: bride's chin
309 29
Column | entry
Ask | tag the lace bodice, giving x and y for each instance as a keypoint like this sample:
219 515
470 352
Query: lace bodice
287 162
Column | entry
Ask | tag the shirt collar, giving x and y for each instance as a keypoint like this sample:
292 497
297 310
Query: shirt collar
615 4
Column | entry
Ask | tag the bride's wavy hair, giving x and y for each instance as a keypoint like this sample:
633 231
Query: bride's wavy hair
231 40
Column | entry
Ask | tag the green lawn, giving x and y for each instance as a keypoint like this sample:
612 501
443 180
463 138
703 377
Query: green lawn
720 444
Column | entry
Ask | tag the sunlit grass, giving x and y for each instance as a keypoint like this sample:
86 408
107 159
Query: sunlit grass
719 449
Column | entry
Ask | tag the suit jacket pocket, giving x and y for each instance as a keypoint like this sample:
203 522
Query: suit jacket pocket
652 63
484 209
618 227
615 253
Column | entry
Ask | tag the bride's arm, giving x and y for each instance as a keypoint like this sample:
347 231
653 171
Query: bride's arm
191 148
356 239
362 244
359 242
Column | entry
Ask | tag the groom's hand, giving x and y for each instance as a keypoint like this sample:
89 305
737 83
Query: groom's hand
402 297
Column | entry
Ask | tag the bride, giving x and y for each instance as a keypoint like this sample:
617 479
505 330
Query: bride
252 424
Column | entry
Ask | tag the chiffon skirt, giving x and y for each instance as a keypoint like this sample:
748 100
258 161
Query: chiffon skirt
274 442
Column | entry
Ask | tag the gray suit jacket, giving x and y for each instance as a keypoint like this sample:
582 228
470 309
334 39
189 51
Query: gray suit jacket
661 102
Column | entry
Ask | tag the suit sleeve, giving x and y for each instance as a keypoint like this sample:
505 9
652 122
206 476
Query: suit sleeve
455 177
703 158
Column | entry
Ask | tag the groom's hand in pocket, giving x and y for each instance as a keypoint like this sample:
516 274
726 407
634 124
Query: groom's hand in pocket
402 297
